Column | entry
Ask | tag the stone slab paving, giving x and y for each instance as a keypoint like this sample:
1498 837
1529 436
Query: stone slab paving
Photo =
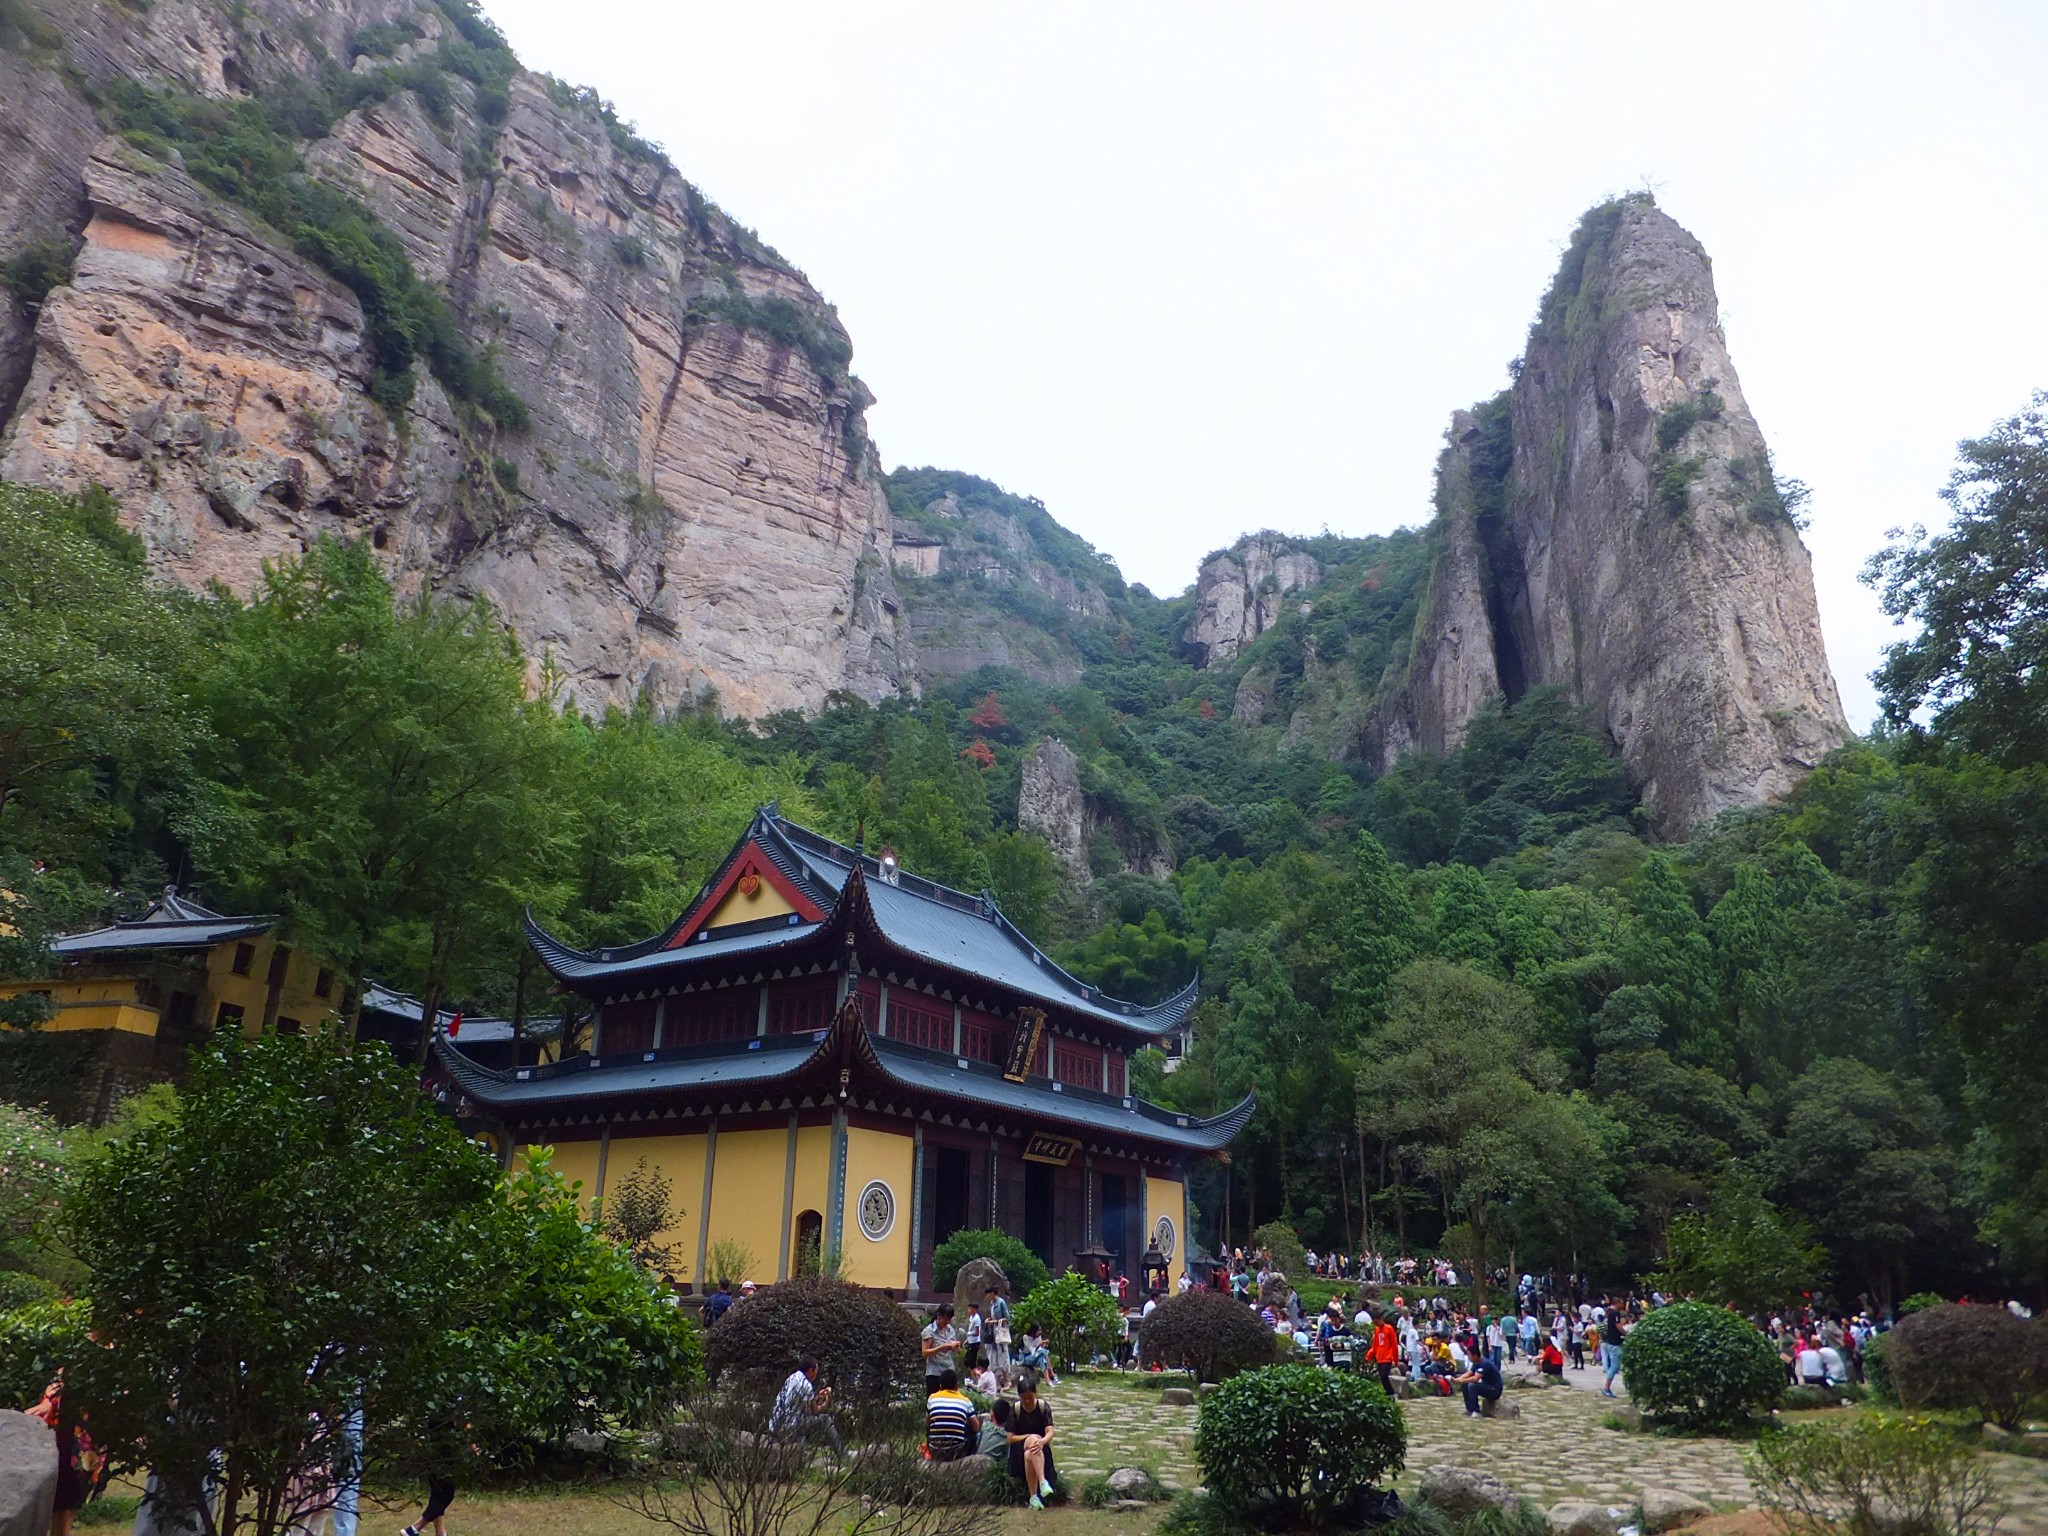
1557 1450
1100 1425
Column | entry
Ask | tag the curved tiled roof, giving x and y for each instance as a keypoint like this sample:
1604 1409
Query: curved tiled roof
778 1057
967 933
172 922
963 933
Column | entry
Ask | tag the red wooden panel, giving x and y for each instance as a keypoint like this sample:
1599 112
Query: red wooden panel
920 1023
626 1029
797 1007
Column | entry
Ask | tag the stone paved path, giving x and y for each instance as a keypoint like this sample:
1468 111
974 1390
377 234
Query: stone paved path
1557 1450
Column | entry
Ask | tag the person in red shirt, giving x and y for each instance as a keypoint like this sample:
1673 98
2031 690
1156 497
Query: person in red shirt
1385 1350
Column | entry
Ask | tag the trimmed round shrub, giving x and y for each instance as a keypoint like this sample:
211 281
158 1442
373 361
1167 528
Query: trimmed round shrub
1920 1301
1296 1445
1980 1358
1206 1333
1700 1366
866 1344
1026 1271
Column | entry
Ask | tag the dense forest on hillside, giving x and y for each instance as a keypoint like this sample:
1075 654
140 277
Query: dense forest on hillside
1483 1009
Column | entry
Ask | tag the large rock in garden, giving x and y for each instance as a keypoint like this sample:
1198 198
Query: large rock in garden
970 1286
1177 1397
1461 1492
1499 1408
28 1474
1131 1483
1667 1510
1587 1519
1274 1291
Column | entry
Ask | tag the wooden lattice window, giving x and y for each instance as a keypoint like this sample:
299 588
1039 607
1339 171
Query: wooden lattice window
915 1021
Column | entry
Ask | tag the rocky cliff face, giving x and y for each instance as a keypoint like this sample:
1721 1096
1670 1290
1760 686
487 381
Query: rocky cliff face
1612 525
694 506
1239 594
989 579
1052 803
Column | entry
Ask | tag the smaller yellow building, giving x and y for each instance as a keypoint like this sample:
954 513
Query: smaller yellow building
146 991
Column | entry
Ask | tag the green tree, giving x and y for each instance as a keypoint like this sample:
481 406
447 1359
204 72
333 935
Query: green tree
1977 594
1466 923
1025 878
1742 1252
307 1234
1079 1319
637 1211
1861 1156
377 770
93 658
1458 1083
1665 949
1684 1125
37 904
302 1237
34 1152
1381 933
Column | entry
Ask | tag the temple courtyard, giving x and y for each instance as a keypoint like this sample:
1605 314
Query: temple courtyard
1557 1450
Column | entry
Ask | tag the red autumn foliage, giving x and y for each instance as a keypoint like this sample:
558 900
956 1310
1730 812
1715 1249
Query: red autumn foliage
988 714
980 754
1207 711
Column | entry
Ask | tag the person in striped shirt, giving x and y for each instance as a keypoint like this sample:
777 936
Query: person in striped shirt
950 1424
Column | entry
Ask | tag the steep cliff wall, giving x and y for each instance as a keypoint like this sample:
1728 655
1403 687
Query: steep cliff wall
1613 525
692 506
989 579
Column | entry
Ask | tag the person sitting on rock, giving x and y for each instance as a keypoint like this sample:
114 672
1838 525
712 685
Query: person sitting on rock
951 1427
995 1431
1031 1442
1481 1383
800 1408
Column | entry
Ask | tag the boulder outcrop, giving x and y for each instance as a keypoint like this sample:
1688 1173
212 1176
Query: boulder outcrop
1613 526
28 1474
694 508
1240 594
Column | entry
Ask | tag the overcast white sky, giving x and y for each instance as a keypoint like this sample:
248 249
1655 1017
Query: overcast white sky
1189 270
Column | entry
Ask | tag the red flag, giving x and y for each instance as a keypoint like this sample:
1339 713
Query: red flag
455 1026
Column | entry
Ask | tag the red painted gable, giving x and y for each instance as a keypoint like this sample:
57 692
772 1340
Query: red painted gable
750 862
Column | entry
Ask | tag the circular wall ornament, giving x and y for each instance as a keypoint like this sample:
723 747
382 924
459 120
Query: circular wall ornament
877 1211
1163 1236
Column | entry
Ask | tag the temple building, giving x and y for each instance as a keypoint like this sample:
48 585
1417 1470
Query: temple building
827 1051
136 996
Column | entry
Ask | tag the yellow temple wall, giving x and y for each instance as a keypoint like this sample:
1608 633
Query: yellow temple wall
747 1175
1168 1197
883 1155
812 1189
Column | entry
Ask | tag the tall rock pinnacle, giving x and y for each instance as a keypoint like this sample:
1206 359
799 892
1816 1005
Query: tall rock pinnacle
1611 525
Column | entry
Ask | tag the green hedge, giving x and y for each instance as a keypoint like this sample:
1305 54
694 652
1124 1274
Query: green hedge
1294 1445
1702 1367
